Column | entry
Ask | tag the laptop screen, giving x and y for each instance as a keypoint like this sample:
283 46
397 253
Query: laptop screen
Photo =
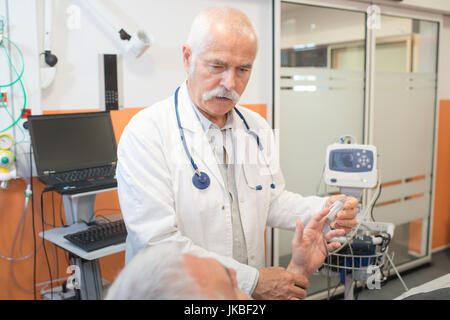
65 142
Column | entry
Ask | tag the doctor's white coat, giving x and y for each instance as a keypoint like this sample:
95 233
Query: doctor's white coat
160 203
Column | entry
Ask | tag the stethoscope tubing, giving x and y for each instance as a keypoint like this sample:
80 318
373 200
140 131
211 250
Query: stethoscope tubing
201 179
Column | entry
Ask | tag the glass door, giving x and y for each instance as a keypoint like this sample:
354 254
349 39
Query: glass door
339 75
322 97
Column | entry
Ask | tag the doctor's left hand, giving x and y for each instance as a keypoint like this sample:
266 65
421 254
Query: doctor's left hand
308 244
346 218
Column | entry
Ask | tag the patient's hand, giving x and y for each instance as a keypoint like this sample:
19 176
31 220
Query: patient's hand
308 244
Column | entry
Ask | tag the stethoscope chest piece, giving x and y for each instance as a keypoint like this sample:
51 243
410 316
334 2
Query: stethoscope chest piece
201 181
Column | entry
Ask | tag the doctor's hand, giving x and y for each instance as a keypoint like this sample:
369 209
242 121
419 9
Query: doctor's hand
346 218
308 244
275 283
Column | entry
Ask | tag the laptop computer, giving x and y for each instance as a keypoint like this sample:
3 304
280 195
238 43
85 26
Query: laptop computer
74 152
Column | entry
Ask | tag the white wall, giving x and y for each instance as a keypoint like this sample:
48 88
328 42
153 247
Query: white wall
156 74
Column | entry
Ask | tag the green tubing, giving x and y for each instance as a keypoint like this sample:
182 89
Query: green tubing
12 83
10 62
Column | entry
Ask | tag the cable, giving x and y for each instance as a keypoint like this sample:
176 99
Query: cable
12 259
327 257
43 237
335 288
398 274
3 19
20 224
19 76
55 247
12 118
356 289
320 180
371 210
64 225
34 228
384 246
353 266
60 212
366 211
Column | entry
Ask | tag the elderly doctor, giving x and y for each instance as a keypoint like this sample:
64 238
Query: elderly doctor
184 172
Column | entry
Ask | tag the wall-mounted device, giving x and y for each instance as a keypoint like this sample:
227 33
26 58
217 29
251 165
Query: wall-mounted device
7 160
135 44
50 58
48 72
110 81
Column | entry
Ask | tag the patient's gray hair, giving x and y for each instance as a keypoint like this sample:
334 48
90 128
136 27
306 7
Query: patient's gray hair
229 18
156 273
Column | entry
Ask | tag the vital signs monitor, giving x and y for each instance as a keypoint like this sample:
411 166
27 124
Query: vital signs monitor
351 165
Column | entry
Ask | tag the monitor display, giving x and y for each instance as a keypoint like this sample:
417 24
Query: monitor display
72 141
351 160
342 160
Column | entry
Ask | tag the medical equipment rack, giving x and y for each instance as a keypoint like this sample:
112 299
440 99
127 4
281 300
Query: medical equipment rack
362 263
79 210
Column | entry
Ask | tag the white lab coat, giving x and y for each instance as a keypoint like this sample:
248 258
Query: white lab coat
160 203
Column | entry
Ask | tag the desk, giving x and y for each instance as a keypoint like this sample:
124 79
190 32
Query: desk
56 236
79 209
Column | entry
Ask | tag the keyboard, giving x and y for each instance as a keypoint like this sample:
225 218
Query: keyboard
84 174
99 236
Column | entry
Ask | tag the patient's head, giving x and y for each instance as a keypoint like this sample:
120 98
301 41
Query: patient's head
163 272
215 280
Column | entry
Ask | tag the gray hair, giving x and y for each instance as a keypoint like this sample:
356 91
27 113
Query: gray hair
231 18
156 273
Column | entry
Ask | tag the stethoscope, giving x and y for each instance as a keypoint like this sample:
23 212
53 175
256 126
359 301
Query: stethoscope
201 179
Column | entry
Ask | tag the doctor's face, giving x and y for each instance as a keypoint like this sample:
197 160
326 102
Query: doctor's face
219 74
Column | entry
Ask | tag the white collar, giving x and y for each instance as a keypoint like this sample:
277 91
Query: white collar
206 123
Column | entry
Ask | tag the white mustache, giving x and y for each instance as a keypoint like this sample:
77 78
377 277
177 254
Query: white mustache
222 92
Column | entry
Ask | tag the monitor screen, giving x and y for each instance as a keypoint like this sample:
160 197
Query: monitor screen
351 160
72 141
342 160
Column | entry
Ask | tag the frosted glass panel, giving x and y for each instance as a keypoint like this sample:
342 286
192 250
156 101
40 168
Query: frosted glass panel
316 109
403 129
404 123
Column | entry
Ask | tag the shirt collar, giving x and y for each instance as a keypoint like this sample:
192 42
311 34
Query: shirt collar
207 124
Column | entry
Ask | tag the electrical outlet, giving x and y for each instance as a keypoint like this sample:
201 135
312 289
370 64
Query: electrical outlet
4 97
26 113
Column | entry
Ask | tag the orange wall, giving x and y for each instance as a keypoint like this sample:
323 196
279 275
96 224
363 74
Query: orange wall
441 223
441 217
11 207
